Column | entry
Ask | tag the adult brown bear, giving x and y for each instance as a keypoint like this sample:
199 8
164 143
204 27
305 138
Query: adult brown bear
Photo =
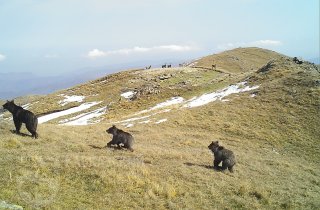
20 116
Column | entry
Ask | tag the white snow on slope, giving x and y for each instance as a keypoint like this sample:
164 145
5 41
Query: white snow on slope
69 99
218 95
134 119
26 106
145 122
128 94
143 117
170 102
55 115
161 121
85 118
193 102
129 125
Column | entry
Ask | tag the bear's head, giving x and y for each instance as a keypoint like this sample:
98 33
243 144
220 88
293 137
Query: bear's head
9 105
112 130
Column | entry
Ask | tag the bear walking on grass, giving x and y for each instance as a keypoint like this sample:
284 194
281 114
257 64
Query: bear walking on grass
120 138
222 155
20 116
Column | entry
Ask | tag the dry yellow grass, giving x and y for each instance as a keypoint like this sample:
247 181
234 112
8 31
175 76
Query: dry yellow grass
239 60
273 135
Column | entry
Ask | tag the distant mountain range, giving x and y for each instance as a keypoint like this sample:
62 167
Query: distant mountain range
19 84
25 83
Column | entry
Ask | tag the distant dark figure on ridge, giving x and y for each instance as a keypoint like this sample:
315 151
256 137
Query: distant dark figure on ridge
148 67
222 155
120 138
169 66
213 66
297 61
164 66
20 116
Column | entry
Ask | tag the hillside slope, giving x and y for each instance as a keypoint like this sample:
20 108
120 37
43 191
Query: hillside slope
267 112
238 60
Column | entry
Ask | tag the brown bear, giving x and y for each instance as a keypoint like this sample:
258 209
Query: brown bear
120 138
222 155
20 116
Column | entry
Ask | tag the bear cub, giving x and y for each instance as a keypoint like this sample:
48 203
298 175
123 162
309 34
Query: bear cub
222 155
120 138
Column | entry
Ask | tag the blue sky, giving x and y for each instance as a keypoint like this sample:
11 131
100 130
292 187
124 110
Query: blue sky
51 37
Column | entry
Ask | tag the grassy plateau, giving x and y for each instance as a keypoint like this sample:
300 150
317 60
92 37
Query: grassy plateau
273 131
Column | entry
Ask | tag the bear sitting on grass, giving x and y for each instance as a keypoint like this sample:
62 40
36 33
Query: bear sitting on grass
222 155
120 138
20 116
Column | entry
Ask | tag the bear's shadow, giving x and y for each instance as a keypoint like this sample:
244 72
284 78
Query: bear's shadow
96 147
104 147
202 165
20 134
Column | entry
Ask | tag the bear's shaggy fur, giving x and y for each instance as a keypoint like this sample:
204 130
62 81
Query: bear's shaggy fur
20 116
120 138
222 155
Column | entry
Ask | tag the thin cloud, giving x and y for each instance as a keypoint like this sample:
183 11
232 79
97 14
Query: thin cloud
266 43
51 56
126 51
259 43
2 57
175 48
96 53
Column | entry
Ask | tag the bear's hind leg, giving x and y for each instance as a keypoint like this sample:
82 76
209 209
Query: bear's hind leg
32 130
225 164
230 169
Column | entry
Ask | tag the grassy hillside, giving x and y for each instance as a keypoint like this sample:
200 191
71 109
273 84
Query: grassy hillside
274 136
238 60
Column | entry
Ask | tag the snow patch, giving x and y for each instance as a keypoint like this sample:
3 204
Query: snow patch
145 122
193 102
55 115
170 102
104 81
129 125
85 118
218 95
128 94
143 117
26 106
69 99
160 121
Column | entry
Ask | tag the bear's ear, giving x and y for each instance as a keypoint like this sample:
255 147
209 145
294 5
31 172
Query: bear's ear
113 126
217 142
